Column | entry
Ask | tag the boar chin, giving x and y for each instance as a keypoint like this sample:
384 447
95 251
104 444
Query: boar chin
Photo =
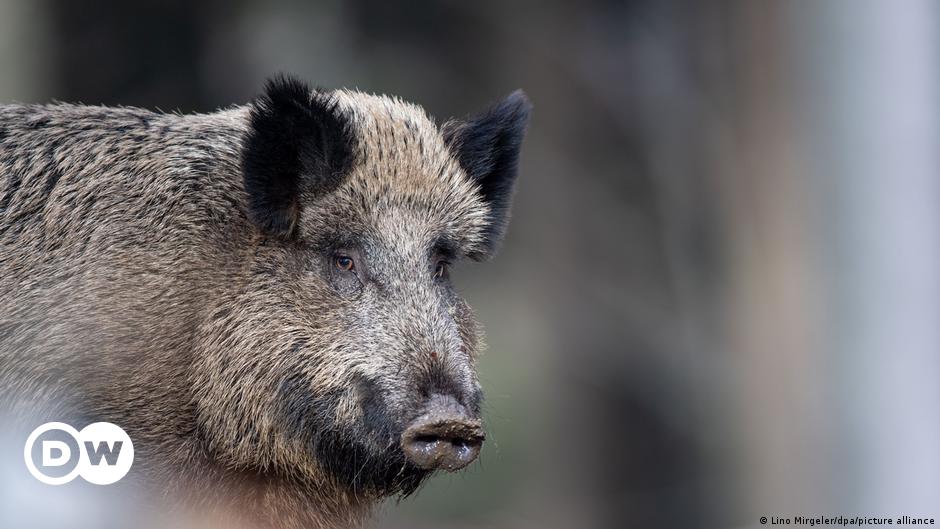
362 469
363 454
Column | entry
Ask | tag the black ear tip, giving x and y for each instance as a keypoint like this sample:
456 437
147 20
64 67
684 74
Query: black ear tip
283 89
281 80
519 98
517 105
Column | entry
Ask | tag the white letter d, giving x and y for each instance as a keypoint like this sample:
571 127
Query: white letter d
55 460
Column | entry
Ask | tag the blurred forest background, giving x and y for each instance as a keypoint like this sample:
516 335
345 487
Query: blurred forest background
719 298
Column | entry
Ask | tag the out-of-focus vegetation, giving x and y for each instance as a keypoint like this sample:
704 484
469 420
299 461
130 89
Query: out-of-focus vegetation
720 291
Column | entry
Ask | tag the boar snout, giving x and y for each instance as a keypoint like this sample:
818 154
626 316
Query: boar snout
445 436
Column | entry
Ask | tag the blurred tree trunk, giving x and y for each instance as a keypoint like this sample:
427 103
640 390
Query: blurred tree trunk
870 76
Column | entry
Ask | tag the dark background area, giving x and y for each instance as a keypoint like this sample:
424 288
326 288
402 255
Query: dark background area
719 294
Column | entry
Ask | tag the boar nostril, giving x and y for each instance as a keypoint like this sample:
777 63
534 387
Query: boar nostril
444 436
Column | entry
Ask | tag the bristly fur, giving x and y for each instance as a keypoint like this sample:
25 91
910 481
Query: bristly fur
297 141
176 275
487 147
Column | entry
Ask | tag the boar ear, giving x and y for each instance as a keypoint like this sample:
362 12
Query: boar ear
298 143
487 147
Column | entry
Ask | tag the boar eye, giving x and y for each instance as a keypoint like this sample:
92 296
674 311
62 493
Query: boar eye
344 263
440 270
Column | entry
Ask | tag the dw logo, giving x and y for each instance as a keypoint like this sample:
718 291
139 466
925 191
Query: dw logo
55 453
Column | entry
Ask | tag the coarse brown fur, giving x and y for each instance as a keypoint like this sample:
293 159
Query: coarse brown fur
172 274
